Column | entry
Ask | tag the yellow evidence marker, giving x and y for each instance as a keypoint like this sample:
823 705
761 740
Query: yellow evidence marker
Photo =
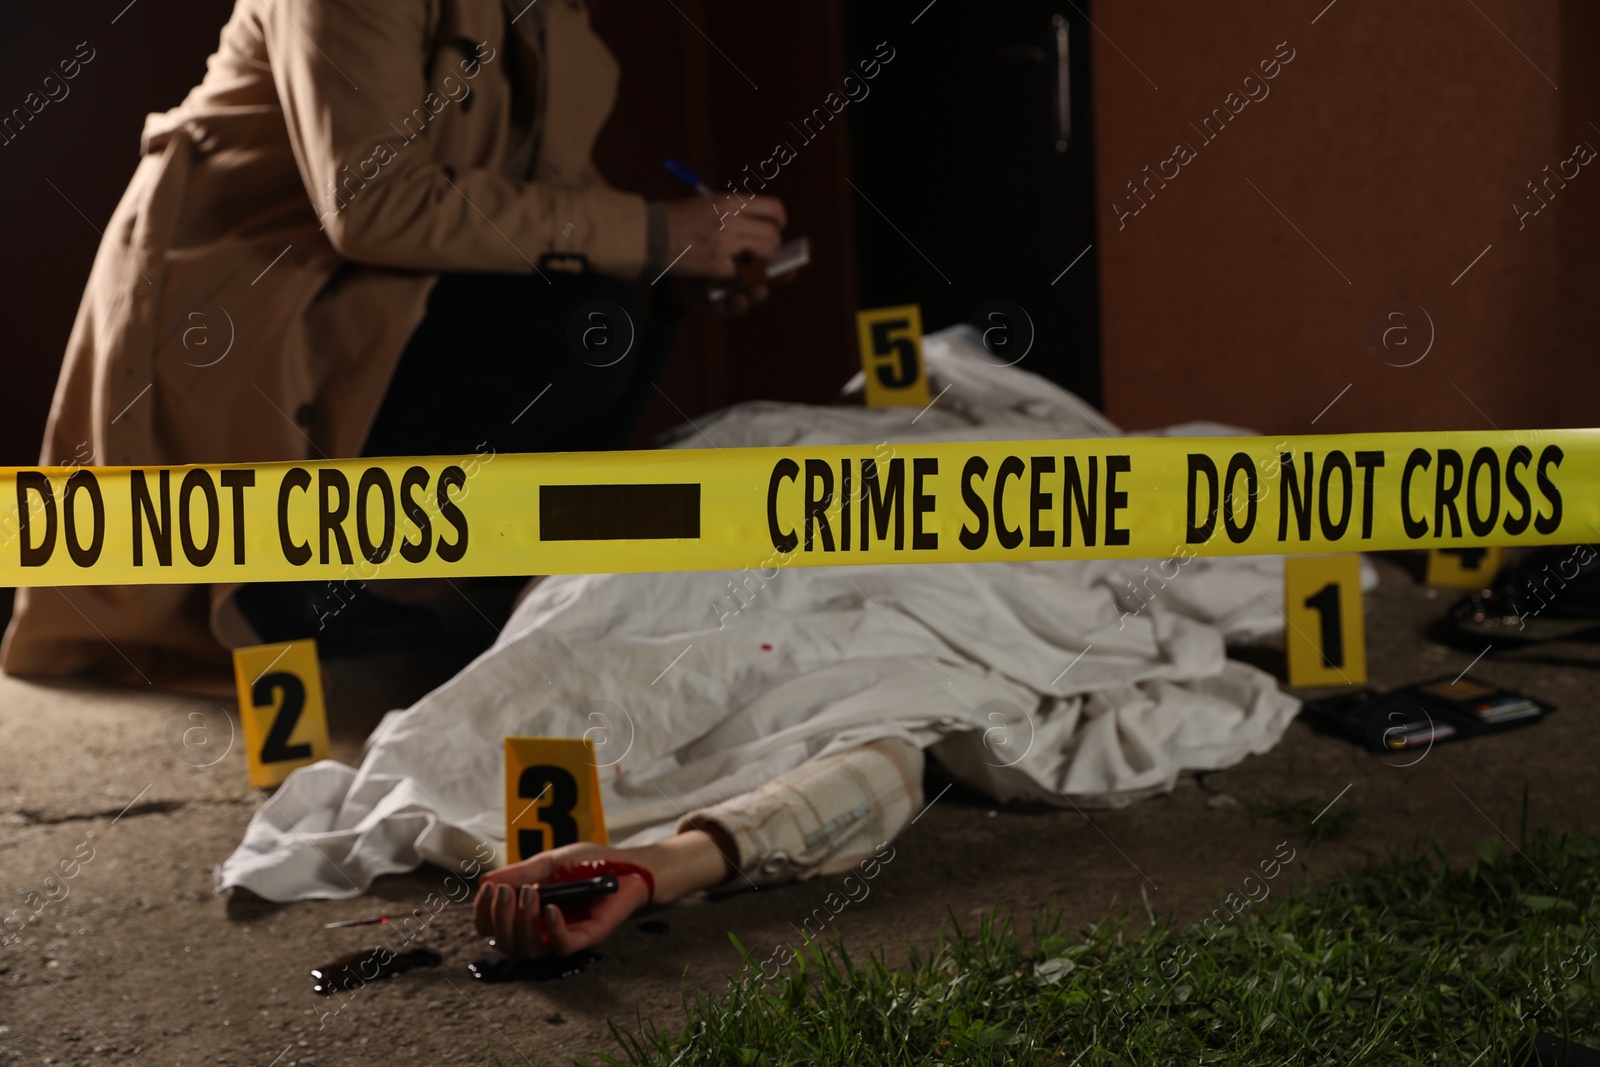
891 356
552 795
1463 568
280 703
1326 635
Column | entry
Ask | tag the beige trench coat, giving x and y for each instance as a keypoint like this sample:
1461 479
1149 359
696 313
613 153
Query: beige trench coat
275 250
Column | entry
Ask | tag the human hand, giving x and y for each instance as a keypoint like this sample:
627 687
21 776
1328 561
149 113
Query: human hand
737 301
507 907
712 232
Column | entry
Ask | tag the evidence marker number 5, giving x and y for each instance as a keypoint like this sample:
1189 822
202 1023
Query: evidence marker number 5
891 356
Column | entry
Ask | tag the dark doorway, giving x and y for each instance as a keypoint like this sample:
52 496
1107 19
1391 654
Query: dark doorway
975 175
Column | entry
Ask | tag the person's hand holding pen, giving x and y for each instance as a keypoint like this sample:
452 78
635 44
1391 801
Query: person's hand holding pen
712 231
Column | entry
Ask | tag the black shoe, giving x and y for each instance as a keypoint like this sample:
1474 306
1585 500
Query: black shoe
1550 594
343 617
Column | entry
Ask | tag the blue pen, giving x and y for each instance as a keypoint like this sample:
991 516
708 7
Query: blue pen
686 174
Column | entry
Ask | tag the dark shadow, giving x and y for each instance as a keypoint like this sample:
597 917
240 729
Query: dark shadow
361 690
1269 658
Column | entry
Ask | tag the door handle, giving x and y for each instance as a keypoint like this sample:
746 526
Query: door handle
1063 102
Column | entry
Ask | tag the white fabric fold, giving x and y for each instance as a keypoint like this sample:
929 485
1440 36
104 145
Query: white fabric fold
1041 681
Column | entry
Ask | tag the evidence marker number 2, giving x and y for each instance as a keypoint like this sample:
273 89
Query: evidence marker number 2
281 708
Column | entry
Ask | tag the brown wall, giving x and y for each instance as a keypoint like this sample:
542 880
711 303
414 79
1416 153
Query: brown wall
681 97
1395 141
1577 387
86 145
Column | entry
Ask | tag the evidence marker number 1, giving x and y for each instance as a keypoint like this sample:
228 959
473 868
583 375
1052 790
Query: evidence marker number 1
1325 633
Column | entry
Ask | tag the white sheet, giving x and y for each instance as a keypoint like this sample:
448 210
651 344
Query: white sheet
1034 680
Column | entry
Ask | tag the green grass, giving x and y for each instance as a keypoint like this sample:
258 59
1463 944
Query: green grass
1406 962
1300 815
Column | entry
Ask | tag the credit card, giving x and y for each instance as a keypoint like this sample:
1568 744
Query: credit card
1419 735
1507 710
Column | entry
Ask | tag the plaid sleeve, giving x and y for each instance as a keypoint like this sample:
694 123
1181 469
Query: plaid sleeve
824 816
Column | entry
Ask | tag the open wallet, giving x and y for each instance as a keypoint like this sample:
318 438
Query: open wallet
1425 713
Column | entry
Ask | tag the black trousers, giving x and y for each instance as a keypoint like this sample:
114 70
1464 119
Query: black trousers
524 363
508 362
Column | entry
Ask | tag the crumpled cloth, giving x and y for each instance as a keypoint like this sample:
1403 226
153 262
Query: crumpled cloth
1076 682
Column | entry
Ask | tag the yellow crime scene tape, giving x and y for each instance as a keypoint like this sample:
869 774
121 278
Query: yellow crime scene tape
718 509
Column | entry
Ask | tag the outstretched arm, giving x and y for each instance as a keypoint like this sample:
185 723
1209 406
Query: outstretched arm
507 907
823 816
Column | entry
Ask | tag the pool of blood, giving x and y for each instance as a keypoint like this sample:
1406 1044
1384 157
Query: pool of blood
355 969
498 967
